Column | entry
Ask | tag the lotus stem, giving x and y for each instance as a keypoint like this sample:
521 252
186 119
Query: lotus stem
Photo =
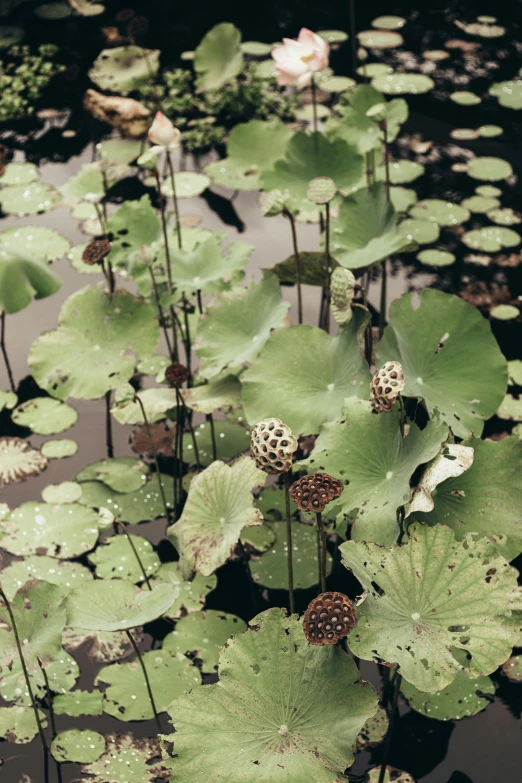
4 352
200 301
251 583
188 346
393 716
297 257
400 522
368 334
314 108
164 229
135 551
175 199
24 669
322 559
384 126
181 401
210 419
108 425
384 287
326 289
146 678
160 312
50 704
402 421
289 553
156 463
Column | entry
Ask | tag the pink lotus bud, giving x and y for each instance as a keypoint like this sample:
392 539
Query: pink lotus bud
163 133
296 61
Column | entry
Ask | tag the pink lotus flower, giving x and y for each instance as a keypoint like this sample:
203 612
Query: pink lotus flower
296 61
163 133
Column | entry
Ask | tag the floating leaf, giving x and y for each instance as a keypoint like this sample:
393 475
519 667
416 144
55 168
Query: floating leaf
19 174
256 48
402 171
465 98
403 83
18 724
30 199
189 184
373 731
124 69
509 93
389 22
218 507
81 746
270 681
66 492
18 461
231 440
44 569
312 372
420 231
192 595
156 402
221 391
141 505
119 151
439 211
504 312
429 596
101 646
90 352
491 238
360 130
437 344
133 225
76 703
512 668
62 673
45 416
380 39
480 204
116 559
402 198
489 169
122 474
127 760
271 569
436 257
203 634
505 217
38 243
460 699
115 605
88 184
8 400
206 269
58 449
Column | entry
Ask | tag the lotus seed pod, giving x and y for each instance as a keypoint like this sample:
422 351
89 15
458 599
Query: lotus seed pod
329 617
342 289
386 386
314 492
176 375
321 190
96 251
273 446
272 203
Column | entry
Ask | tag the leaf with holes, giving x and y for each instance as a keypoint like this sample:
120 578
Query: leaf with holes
271 569
18 724
45 416
124 69
127 760
203 634
66 575
460 699
116 559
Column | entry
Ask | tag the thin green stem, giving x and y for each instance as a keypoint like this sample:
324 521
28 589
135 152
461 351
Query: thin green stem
322 561
246 563
24 668
402 422
135 551
326 289
155 457
4 352
210 420
386 159
160 312
384 288
164 228
181 401
389 733
297 257
289 552
175 199
108 425
314 107
368 334
147 681
51 715
188 346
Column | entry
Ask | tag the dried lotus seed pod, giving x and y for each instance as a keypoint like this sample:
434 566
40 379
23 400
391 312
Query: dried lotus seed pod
386 386
273 446
314 492
96 250
321 190
176 375
329 617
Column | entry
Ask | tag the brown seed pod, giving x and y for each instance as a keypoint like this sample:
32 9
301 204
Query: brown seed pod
176 375
314 492
96 251
386 386
329 617
273 445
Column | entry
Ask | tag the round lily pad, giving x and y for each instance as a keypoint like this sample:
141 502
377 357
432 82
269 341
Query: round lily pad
442 212
505 217
203 634
256 48
504 312
489 169
18 723
266 69
333 36
306 113
480 204
490 131
509 93
337 84
389 22
116 559
402 198
127 760
464 134
78 702
66 575
402 171
8 400
81 746
380 39
436 55
461 699
436 257
373 69
119 151
53 11
465 98
58 449
491 238
19 173
403 83
66 492
30 199
141 505
271 569
421 231
488 190
188 184
122 474
124 68
45 415
38 242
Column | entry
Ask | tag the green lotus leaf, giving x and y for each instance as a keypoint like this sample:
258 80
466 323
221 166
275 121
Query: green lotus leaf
18 724
45 415
53 11
134 224
188 184
509 93
94 348
402 198
361 131
271 569
66 492
262 716
39 614
231 440
515 371
365 232
206 269
116 605
312 372
58 449
512 668
79 745
433 257
76 703
19 174
136 759
101 646
256 48
23 278
429 596
31 199
465 98
437 344
122 474
489 169
377 480
203 634
38 243
480 204
60 531
62 673
116 559
374 730
490 239
488 490
272 503
87 184
221 391
403 83
218 58
140 505
401 171
76 258
338 84
124 69
510 408
192 595
313 269
126 697
259 538
460 699
440 211
308 156
421 232
156 401
18 460
119 151
218 507
234 329
154 365
8 400
504 216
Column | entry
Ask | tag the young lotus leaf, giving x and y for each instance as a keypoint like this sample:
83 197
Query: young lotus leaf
66 575
192 595
234 329
124 69
19 174
18 723
22 279
221 391
312 372
133 225
60 531
81 746
271 570
94 348
141 505
76 703
437 344
365 232
127 760
156 401
205 269
39 243
308 156
429 596
119 151
188 184
122 474
58 449
126 697
360 130
29 199
115 605
39 615
440 211
262 718
203 634
504 312
18 460
401 171
451 462
491 238
231 440
421 232
369 455
45 415
218 58
116 559
218 507
489 169
487 492
433 257
403 83
509 93
460 699
88 184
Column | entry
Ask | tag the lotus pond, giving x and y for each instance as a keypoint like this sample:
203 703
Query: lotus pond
260 412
